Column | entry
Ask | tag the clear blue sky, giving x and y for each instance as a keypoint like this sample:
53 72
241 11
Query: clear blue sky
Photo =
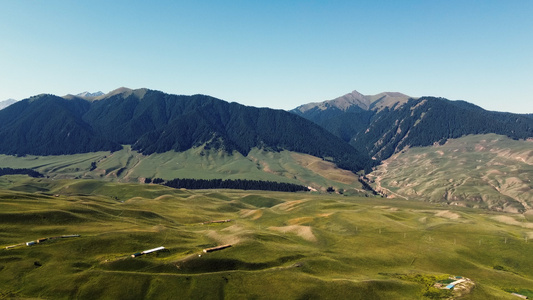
276 53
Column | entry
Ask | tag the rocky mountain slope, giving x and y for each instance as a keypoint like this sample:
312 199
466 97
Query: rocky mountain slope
482 171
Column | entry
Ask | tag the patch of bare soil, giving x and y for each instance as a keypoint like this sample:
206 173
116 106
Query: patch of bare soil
232 238
325 169
512 221
254 214
440 213
447 214
158 228
304 232
289 205
325 215
302 220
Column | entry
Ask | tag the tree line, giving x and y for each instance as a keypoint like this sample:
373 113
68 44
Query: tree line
29 172
239 184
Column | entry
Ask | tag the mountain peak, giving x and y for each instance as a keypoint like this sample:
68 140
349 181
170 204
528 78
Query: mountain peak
119 90
387 99
365 102
350 99
355 94
126 92
90 95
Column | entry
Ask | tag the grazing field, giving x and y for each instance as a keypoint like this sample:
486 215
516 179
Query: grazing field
283 245
197 163
482 171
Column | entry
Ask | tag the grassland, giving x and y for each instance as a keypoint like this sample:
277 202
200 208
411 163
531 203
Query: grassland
130 166
482 171
284 245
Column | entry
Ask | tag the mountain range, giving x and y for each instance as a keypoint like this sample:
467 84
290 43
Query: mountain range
142 133
388 123
155 122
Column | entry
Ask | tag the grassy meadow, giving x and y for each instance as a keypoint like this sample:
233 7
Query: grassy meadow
130 166
284 245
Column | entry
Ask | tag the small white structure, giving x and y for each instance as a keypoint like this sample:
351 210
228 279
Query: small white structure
519 295
14 246
216 248
147 251
70 236
153 250
451 285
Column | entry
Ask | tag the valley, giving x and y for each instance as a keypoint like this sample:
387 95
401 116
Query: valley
266 150
454 199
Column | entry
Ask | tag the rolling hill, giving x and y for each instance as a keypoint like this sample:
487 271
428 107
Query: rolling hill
283 245
81 233
127 165
481 171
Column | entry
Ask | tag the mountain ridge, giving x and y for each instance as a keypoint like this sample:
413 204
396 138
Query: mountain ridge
365 102
392 123
155 122
151 127
6 103
90 95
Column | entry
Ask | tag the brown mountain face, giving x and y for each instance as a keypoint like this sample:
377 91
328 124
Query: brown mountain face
480 171
356 99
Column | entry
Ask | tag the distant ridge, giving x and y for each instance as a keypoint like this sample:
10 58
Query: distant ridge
125 92
90 95
358 100
6 103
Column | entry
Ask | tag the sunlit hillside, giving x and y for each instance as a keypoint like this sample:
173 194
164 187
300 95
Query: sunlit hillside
282 245
130 166
482 171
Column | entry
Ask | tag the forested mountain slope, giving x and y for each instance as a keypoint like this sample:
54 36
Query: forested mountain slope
382 130
155 122
6 103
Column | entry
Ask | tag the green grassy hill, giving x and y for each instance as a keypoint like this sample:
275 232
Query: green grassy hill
284 245
482 171
130 166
